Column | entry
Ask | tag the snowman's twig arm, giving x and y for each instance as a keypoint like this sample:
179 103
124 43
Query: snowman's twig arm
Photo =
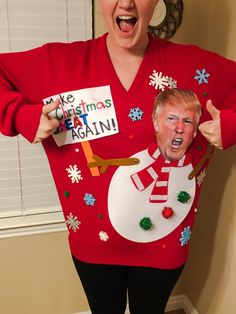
104 163
198 167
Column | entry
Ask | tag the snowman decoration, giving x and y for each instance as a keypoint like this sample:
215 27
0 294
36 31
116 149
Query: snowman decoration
147 201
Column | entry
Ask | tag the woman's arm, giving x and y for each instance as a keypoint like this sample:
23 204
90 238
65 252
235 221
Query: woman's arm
220 129
21 107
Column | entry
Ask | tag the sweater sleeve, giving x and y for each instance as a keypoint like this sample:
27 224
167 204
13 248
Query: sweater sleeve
19 111
228 127
226 88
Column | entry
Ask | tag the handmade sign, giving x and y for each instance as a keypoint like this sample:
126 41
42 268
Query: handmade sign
84 115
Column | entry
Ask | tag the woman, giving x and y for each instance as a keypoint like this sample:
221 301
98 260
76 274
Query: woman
99 99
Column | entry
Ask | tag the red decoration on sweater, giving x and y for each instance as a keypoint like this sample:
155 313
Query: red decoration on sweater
167 212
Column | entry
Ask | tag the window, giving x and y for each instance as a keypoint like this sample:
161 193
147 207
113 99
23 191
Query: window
28 198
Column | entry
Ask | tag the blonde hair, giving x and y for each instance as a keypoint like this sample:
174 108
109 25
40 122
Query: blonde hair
186 97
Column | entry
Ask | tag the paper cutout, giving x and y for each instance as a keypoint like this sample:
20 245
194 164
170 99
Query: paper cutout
84 115
104 163
206 156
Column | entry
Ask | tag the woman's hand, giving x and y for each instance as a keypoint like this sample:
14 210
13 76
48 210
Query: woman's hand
211 129
47 124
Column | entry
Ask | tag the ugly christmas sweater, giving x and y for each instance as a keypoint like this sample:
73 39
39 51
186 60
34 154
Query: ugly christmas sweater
102 152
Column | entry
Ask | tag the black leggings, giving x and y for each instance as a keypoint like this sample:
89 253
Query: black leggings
106 287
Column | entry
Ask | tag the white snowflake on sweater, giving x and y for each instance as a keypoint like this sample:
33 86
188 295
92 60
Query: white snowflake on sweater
74 173
172 83
73 222
158 80
201 177
103 236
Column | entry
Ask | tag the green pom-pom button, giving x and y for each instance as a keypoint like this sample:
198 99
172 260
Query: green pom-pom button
145 223
66 194
183 197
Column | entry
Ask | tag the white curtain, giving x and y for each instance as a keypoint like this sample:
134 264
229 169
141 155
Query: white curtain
28 199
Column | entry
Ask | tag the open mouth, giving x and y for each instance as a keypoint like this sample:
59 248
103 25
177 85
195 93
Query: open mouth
126 23
176 143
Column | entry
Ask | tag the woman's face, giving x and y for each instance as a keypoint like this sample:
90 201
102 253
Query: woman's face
127 21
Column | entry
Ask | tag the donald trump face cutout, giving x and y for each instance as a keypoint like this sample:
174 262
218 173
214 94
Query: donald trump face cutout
175 117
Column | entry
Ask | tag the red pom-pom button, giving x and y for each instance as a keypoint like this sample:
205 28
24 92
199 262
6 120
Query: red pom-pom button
167 212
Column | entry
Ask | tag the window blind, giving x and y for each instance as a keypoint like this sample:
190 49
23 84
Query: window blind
28 199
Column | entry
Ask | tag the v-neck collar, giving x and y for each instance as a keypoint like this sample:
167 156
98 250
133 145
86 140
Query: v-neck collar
138 76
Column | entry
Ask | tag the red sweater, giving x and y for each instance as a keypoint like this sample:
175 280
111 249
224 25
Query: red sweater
109 220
